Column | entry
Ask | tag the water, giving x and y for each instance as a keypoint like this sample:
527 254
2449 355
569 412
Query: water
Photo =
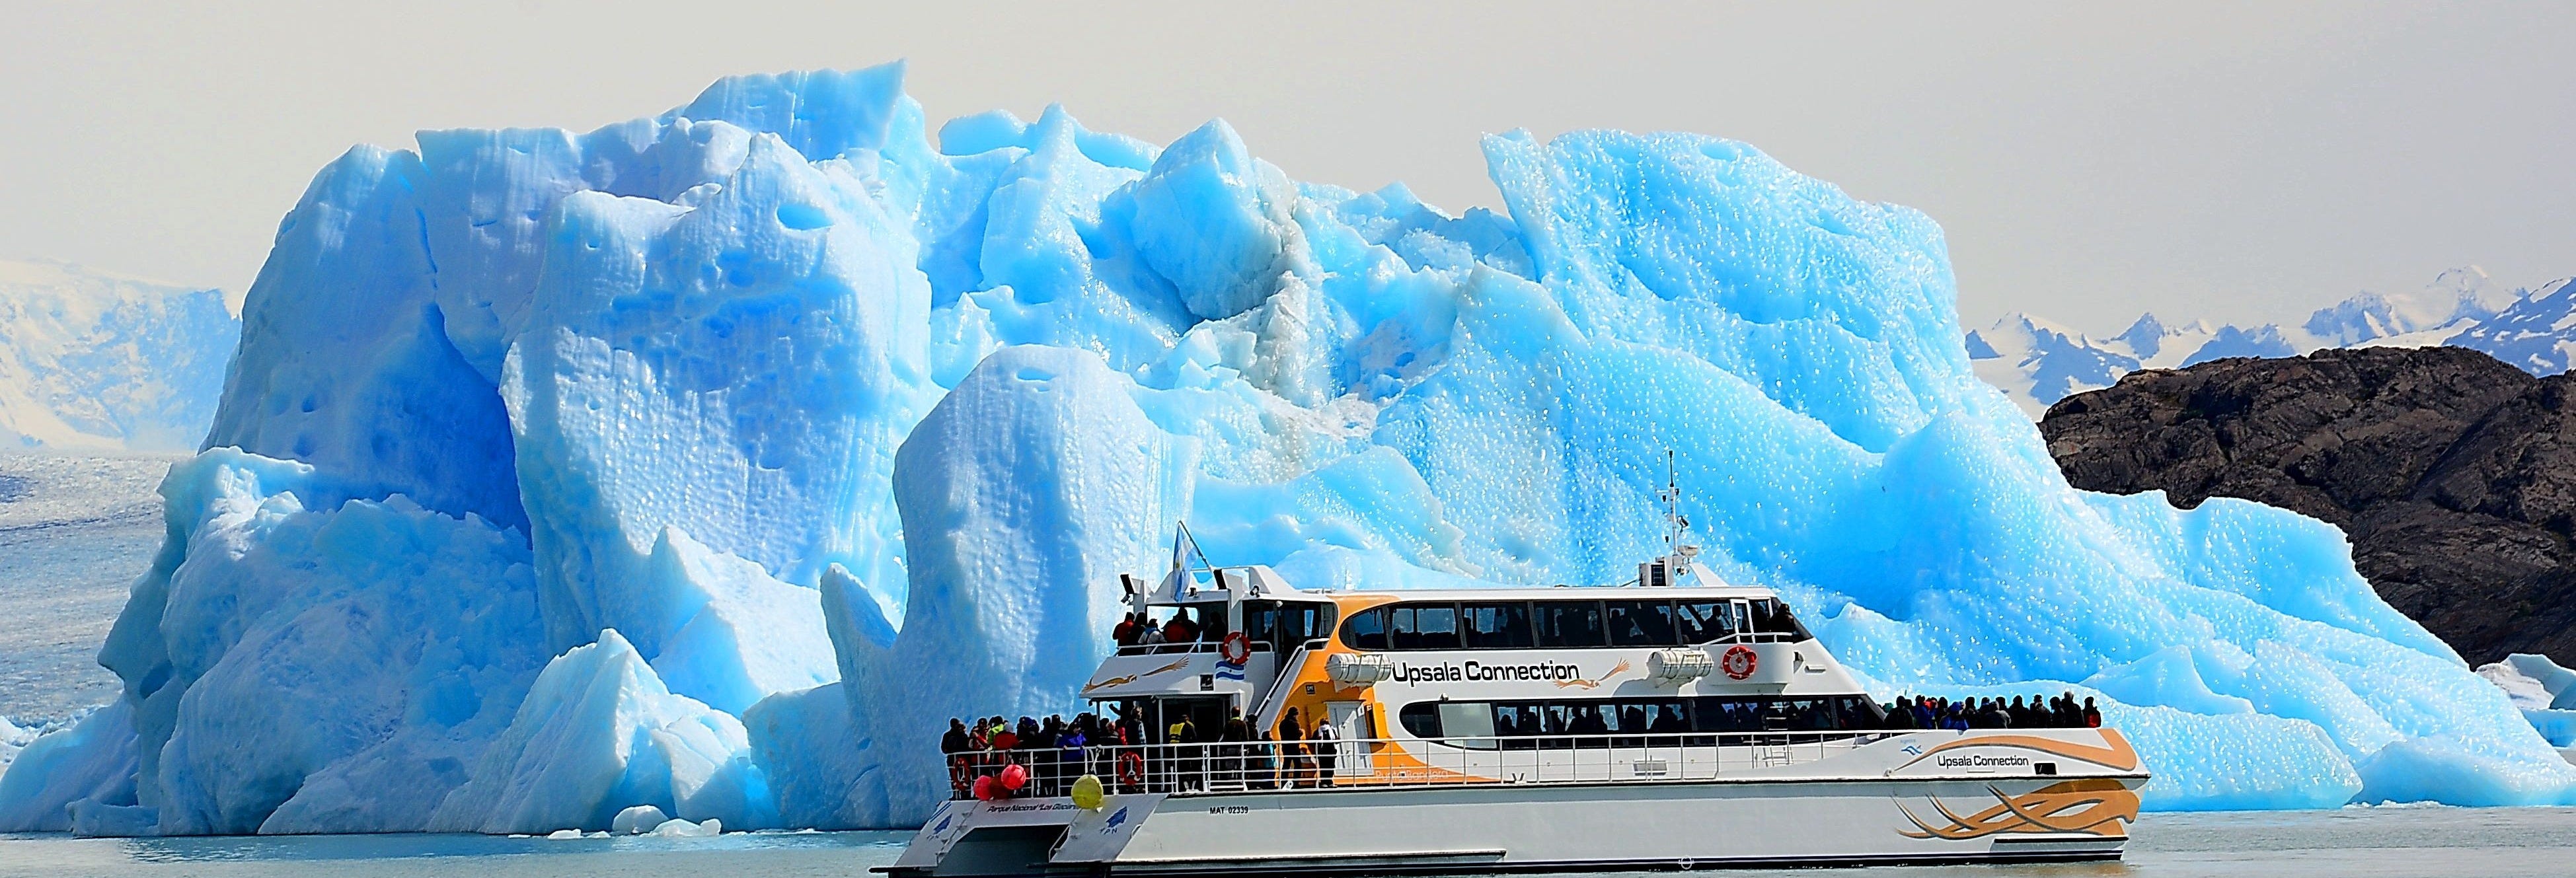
74 534
2348 843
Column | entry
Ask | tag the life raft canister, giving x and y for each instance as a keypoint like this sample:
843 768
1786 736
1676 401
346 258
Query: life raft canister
1235 649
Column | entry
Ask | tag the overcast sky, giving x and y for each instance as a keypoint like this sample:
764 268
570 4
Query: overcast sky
2234 161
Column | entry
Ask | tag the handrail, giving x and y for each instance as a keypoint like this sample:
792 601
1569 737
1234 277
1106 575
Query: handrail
1233 766
1261 715
1258 646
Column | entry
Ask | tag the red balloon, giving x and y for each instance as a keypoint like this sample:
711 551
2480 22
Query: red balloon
985 789
1014 777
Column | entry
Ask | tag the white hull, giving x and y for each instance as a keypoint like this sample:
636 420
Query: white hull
1881 803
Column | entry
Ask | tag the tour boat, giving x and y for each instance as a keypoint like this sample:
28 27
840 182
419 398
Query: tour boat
1675 722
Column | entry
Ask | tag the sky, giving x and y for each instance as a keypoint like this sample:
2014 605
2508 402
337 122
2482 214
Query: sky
2239 162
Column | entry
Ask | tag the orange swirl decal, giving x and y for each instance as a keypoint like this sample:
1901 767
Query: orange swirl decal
1122 681
2091 806
1595 683
2115 753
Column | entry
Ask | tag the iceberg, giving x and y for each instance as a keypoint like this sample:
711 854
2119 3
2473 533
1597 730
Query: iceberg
710 461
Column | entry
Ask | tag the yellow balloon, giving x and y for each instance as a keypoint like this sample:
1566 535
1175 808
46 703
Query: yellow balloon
1086 792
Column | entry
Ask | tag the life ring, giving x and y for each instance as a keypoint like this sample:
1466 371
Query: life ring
1738 662
1235 649
1131 769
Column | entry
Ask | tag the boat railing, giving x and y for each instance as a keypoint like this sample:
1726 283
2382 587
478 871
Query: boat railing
1258 646
1230 766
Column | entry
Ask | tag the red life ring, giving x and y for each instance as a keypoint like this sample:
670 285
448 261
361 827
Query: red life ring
1738 662
1131 769
1235 649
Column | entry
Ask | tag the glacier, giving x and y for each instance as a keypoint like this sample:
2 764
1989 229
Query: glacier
97 361
710 461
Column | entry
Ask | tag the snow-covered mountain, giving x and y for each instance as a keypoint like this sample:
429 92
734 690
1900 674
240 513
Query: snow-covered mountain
96 361
2037 362
2536 333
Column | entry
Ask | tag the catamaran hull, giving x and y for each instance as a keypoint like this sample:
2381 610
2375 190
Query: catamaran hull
1555 827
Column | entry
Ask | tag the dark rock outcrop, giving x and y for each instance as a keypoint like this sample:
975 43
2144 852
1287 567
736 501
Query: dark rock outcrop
2453 473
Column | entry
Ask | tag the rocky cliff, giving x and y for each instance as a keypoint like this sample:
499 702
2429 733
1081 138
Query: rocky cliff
2453 473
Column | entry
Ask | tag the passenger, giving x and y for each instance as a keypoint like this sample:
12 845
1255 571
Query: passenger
1087 726
1184 741
1069 757
1046 753
1179 630
2092 715
1590 723
1632 718
1923 716
1668 721
1323 742
1230 747
958 748
1125 633
1263 767
1292 751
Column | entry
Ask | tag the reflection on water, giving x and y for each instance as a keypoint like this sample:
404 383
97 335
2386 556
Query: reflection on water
377 847
2395 842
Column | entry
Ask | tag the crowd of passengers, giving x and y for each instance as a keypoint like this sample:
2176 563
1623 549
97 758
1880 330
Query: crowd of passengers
1932 712
1138 629
1053 753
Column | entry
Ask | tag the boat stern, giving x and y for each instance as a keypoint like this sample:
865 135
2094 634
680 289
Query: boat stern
1033 836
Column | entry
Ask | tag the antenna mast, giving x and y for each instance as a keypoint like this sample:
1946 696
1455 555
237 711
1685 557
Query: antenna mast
1678 551
1674 524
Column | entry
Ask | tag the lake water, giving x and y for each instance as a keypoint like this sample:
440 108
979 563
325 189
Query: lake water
2397 842
74 533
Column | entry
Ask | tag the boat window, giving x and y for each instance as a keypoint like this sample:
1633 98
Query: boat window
1641 623
1557 724
1435 626
1859 712
1558 718
1704 621
1421 719
1260 621
1468 724
1666 717
1422 626
1726 715
1808 714
1365 630
1567 624
1308 621
1517 721
1770 616
1502 625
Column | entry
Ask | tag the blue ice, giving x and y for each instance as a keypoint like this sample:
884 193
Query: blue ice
710 461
